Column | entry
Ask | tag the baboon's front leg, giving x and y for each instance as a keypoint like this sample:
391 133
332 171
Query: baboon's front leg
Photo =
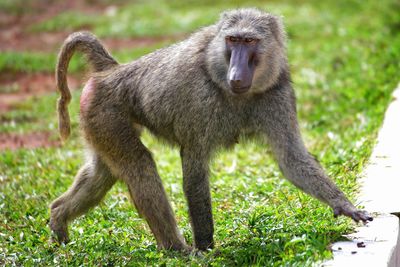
305 172
295 161
197 192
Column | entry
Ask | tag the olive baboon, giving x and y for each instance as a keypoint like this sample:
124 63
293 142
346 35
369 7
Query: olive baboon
227 80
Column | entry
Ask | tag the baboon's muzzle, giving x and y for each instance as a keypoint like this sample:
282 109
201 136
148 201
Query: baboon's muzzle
241 68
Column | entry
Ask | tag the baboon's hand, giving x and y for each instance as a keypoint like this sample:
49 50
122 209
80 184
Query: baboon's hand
59 237
352 212
59 233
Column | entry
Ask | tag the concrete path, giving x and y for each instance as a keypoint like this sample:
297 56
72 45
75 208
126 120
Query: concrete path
377 243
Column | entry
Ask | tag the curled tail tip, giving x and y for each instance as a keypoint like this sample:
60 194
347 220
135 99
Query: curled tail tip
64 130
64 135
64 124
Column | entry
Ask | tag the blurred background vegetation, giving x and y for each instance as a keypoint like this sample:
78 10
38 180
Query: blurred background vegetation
345 61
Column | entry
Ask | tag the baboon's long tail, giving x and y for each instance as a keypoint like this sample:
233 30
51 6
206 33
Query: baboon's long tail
98 58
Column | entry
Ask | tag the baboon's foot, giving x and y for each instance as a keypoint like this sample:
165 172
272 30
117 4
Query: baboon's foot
177 246
204 244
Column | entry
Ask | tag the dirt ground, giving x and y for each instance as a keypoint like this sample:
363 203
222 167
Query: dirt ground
30 140
17 87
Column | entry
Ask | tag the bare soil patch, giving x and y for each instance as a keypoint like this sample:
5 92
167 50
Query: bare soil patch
26 13
13 25
52 41
14 35
14 141
18 87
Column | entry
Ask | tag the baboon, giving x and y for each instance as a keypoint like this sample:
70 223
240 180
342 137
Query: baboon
227 80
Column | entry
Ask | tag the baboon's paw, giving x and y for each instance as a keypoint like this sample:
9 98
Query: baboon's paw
355 214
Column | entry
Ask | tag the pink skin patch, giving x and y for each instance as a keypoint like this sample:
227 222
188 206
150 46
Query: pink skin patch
86 95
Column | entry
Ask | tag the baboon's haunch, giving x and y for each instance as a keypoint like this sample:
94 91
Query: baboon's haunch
228 80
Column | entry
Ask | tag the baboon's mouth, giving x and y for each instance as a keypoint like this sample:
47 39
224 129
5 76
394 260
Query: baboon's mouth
240 90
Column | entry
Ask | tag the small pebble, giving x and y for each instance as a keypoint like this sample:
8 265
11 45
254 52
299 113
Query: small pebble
361 244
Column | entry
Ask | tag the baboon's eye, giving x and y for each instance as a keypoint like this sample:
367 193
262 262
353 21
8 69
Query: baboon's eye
249 40
233 39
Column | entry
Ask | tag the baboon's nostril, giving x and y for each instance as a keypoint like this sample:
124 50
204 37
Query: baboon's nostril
235 83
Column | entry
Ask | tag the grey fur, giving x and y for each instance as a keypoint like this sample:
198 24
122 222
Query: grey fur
181 95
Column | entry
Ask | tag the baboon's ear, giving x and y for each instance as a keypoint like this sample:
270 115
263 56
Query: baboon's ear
277 28
223 17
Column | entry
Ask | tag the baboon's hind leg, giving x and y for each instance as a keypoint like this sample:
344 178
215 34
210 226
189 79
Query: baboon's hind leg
149 197
130 160
90 186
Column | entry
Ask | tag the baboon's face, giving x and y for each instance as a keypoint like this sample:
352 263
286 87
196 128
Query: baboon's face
247 53
242 59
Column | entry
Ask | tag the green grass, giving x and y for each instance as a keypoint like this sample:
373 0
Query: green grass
16 7
143 18
344 58
12 61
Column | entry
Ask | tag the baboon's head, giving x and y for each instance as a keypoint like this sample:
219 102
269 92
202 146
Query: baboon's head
248 52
